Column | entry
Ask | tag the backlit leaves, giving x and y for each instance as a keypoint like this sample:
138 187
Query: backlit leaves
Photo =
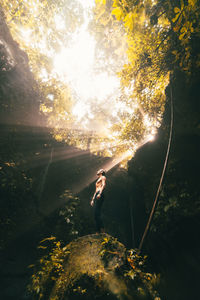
156 37
49 268
118 13
153 32
129 21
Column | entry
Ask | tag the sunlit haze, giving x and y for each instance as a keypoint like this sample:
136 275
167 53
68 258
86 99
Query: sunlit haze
75 66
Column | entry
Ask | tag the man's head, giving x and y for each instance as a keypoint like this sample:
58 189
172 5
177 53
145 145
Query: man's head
101 172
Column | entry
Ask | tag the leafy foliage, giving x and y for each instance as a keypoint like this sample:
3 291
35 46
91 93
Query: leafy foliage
147 282
142 40
38 18
79 270
144 282
160 38
69 218
14 188
176 198
110 38
51 267
57 104
35 26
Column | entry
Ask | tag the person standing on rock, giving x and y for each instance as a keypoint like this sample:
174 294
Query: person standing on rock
98 199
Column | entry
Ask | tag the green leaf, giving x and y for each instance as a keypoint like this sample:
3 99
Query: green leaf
182 36
118 13
182 4
48 239
128 21
177 10
175 18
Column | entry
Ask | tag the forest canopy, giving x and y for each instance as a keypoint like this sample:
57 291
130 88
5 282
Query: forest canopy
102 66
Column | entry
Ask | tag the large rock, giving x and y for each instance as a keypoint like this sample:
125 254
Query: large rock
95 266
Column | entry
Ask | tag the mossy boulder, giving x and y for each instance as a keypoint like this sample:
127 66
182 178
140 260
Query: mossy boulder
95 266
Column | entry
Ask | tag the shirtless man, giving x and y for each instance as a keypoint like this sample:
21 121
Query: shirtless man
98 199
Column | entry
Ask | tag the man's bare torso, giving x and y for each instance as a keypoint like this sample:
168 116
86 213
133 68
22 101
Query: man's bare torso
100 183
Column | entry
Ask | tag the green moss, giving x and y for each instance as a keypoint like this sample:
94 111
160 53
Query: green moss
95 266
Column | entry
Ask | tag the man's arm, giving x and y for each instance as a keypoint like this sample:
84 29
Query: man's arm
92 201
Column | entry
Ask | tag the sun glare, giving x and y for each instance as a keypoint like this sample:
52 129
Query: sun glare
26 34
73 63
150 137
87 3
75 66
60 23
